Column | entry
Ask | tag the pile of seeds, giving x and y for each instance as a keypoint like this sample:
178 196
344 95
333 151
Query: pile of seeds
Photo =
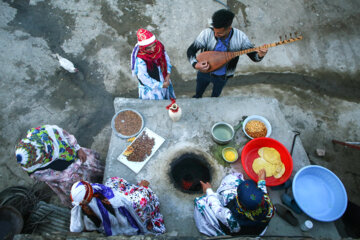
128 123
142 148
255 129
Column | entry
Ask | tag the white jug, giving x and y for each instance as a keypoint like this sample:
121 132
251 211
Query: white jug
174 111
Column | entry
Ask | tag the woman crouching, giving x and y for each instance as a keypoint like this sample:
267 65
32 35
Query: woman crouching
116 208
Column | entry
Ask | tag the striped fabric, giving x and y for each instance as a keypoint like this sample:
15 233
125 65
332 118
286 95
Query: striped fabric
206 41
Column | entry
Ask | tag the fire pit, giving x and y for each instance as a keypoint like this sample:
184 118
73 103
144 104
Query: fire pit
187 171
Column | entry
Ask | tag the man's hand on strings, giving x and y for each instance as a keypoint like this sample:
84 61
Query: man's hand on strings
262 51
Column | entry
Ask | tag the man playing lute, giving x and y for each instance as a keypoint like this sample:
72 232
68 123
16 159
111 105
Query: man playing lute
221 37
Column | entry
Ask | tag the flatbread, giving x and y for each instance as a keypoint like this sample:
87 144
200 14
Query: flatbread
280 172
270 154
270 160
260 163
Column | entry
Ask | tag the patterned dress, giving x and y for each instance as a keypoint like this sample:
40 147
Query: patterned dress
144 201
149 88
210 208
55 144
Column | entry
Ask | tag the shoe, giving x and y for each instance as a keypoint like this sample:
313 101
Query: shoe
289 201
285 185
286 214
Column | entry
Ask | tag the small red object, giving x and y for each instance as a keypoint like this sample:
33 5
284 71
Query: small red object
186 185
250 153
174 108
346 144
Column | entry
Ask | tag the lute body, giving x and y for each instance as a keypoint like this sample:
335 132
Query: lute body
218 59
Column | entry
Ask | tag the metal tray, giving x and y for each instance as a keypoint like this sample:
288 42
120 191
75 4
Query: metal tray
119 134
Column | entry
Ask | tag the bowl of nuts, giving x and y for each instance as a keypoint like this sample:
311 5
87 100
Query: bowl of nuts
256 126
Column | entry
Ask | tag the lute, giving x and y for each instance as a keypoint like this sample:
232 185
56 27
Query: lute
218 59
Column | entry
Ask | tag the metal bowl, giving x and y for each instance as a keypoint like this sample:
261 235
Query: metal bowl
222 132
121 135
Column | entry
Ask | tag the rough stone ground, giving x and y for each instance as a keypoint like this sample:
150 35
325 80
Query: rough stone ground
315 80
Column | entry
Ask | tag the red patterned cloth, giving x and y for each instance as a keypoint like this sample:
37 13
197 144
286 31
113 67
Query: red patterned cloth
151 57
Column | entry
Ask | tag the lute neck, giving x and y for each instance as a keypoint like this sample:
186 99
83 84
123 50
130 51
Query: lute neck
249 50
235 54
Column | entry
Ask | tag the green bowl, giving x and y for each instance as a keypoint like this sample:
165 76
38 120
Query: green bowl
222 133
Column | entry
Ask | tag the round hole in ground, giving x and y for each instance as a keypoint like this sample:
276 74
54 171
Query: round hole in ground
187 170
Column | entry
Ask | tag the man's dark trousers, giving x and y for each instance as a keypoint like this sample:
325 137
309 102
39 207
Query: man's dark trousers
204 79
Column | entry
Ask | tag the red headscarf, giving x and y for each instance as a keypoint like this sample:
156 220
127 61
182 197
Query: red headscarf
157 56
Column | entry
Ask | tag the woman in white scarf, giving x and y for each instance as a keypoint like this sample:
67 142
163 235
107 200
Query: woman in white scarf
110 210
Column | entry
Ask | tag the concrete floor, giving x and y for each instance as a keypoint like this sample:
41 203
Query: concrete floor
314 80
192 135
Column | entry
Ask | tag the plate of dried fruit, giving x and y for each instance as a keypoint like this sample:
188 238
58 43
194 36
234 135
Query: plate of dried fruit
139 152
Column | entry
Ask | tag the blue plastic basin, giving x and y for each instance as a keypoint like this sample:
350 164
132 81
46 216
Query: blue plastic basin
319 193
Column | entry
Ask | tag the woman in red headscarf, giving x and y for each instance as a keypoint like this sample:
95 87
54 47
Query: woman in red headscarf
151 65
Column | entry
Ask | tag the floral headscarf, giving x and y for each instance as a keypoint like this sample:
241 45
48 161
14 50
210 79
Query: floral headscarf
252 203
41 146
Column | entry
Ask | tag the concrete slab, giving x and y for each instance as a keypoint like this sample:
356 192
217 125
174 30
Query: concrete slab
317 91
192 134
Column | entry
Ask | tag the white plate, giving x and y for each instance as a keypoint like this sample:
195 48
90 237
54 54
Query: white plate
137 166
259 118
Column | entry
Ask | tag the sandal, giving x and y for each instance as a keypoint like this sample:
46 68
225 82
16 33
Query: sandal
285 185
286 214
290 202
